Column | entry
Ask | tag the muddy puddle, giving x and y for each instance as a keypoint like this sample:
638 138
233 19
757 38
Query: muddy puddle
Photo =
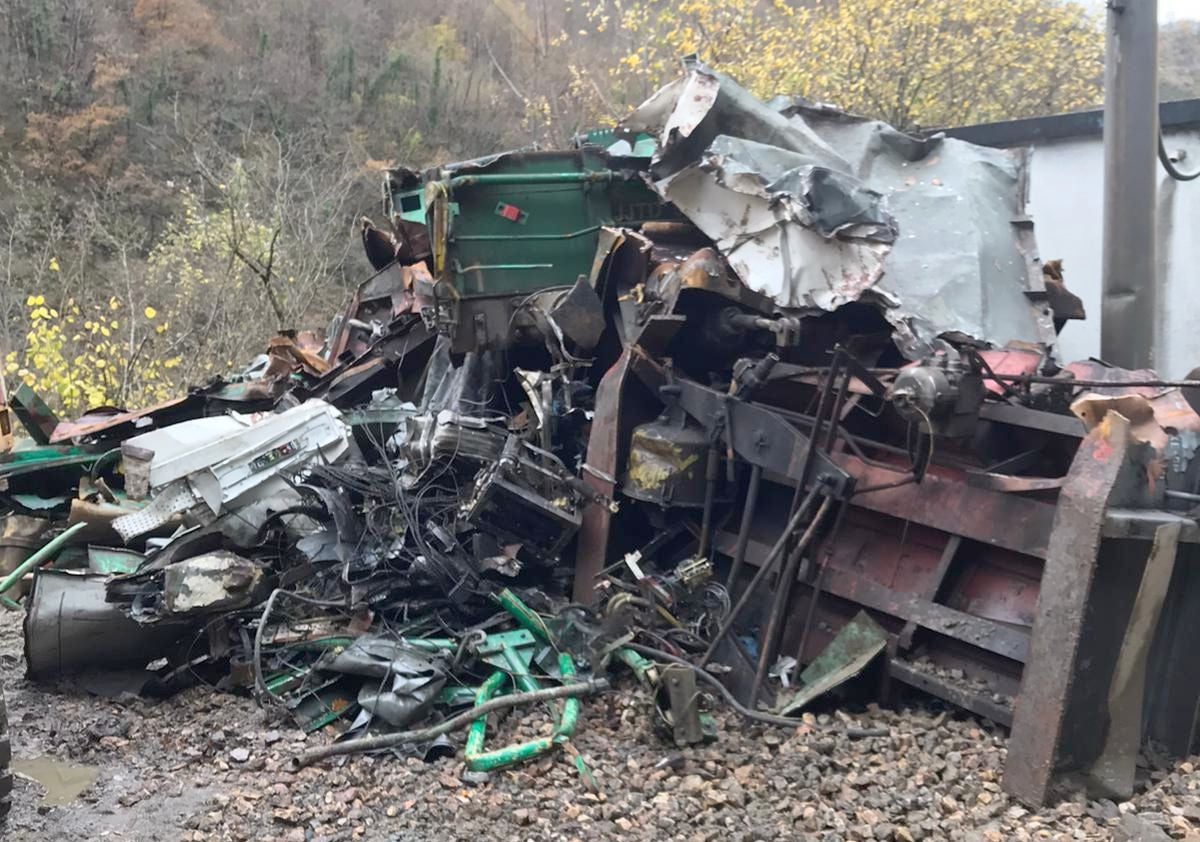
63 781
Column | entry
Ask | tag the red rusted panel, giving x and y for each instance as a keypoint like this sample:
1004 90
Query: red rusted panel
990 517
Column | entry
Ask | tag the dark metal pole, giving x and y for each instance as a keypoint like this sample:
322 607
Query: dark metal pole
1129 312
767 566
711 472
783 589
743 539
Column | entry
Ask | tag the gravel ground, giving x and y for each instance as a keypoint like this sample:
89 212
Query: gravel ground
207 766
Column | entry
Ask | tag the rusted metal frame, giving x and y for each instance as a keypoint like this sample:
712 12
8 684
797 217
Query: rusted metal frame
1142 524
1034 419
1083 608
977 631
787 578
1010 484
1012 464
600 472
404 343
982 704
711 475
906 673
764 438
991 636
759 435
1016 523
936 580
819 420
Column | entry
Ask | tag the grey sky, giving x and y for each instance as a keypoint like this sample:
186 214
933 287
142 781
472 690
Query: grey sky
1169 10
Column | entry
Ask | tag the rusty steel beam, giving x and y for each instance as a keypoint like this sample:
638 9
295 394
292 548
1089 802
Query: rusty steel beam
945 561
1085 602
600 473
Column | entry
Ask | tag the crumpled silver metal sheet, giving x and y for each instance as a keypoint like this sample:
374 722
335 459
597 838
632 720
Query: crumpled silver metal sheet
816 208
406 679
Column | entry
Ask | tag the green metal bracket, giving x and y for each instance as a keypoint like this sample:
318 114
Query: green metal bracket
109 560
511 652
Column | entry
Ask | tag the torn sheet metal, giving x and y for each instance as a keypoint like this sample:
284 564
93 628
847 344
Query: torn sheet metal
816 208
854 647
406 681
109 560
213 465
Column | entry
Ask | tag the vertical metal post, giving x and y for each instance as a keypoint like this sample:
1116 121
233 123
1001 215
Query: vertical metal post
1129 312
750 506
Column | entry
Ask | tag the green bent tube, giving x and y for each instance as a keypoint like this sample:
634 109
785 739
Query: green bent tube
480 761
40 557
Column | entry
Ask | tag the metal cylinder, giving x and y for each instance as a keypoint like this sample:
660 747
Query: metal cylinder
1129 311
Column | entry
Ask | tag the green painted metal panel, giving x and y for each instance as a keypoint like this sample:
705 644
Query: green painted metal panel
527 221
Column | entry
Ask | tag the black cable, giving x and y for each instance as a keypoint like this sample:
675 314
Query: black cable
1169 165
768 718
260 684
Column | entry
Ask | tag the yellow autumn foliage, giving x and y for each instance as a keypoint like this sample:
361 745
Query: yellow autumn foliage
198 313
78 357
910 62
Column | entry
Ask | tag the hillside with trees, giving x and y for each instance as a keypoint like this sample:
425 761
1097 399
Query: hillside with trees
1179 60
180 177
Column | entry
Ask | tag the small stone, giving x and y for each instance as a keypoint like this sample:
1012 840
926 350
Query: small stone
239 755
1133 828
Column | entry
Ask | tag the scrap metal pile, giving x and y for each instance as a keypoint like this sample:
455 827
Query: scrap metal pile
755 400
